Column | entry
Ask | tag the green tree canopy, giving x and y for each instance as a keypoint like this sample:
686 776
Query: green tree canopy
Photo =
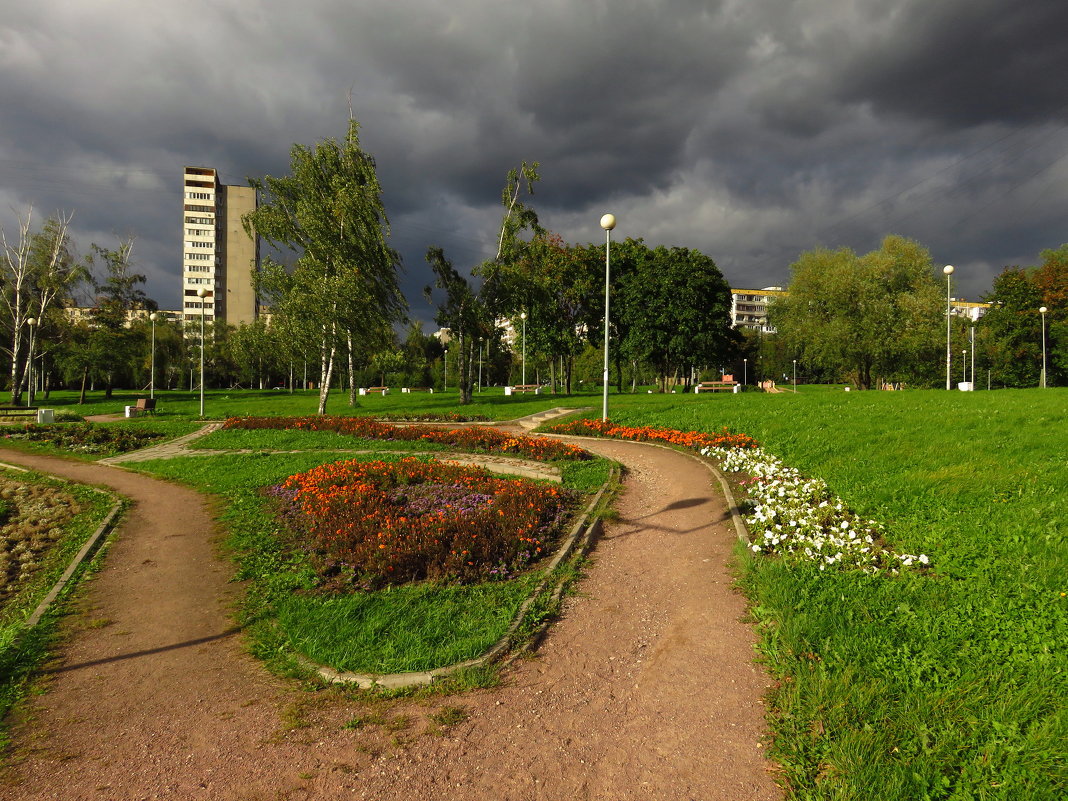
329 212
864 317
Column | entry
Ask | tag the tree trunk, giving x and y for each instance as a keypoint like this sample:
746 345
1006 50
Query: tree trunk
352 369
326 366
85 377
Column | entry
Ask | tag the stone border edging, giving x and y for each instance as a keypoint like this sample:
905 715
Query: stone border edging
583 532
86 550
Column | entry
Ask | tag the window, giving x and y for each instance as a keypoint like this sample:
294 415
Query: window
198 195
195 244
193 207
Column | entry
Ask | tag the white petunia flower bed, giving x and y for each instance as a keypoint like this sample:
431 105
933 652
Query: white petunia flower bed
798 517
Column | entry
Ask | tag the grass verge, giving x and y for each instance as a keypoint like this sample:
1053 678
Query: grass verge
404 628
942 686
23 650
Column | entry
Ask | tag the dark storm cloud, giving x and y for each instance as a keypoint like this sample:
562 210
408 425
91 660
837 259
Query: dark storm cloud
967 63
750 130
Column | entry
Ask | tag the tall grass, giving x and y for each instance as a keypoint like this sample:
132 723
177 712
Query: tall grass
941 686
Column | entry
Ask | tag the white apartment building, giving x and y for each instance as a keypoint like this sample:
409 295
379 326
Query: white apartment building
217 254
749 307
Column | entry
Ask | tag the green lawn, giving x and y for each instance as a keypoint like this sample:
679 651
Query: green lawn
946 685
949 685
22 650
405 628
219 404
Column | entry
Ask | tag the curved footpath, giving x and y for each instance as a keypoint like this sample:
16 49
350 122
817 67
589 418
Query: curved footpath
645 689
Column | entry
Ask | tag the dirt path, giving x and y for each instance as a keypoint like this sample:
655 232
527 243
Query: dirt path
644 690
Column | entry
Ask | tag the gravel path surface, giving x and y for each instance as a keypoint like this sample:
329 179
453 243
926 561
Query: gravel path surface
645 689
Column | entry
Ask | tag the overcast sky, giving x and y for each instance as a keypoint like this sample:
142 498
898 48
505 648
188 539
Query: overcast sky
750 129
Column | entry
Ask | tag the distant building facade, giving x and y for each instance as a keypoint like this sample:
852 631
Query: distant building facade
84 314
217 254
749 308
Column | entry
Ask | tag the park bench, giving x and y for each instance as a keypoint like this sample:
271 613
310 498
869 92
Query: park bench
535 388
372 390
143 406
716 386
417 389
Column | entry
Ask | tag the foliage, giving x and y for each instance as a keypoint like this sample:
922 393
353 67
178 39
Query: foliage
555 285
866 317
1010 333
676 304
330 214
38 271
464 313
477 438
112 346
368 524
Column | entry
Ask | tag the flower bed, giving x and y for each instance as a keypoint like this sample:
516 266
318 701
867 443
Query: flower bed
670 436
799 518
474 438
787 514
87 438
370 524
33 517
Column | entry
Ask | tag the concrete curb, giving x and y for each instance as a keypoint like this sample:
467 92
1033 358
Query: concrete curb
582 536
740 528
84 553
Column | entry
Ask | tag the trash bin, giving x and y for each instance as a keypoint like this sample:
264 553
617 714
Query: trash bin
131 411
46 416
965 386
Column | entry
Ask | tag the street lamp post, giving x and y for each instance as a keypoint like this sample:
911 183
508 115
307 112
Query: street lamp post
523 317
445 374
745 372
152 379
948 270
971 334
32 323
608 222
964 366
1043 311
795 376
202 293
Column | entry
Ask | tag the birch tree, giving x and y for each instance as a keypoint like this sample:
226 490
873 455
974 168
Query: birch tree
329 212
36 269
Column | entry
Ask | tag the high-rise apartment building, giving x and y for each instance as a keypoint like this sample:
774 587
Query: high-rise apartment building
217 254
